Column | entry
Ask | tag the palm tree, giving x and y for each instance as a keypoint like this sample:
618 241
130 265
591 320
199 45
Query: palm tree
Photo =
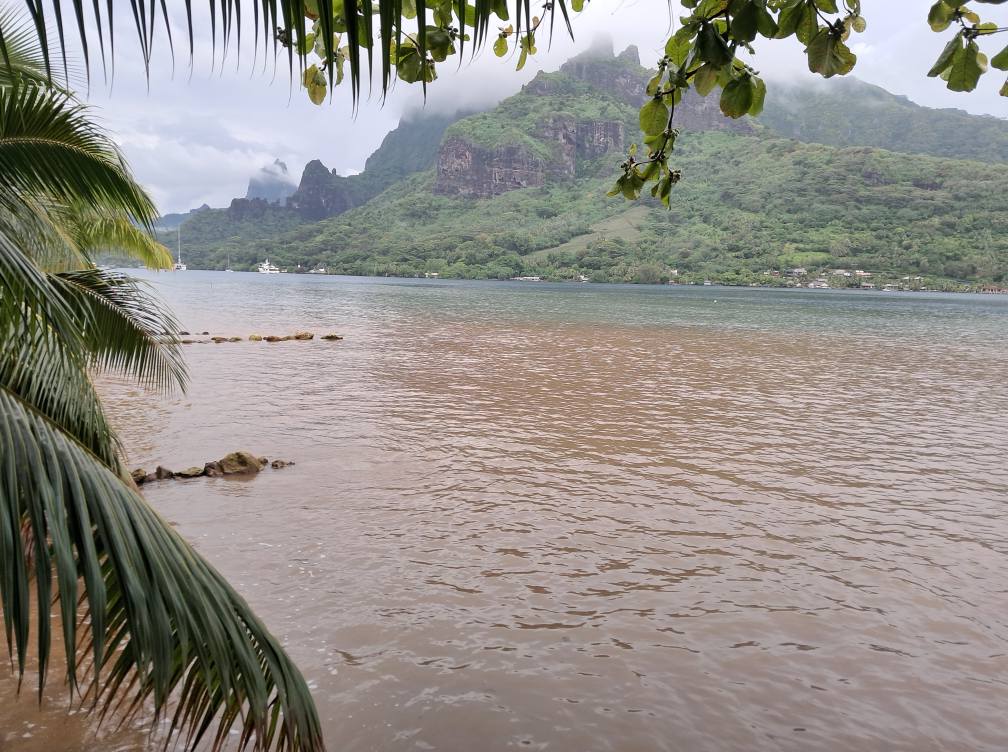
143 620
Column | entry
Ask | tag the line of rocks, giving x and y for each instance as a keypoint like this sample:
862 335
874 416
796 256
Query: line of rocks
258 338
235 463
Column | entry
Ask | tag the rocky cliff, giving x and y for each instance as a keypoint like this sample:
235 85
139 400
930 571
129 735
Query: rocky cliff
322 193
543 141
272 183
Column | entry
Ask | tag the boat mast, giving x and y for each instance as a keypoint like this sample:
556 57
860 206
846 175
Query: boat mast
179 231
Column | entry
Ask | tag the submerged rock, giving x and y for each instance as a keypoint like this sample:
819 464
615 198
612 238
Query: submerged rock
304 335
163 473
218 340
183 334
187 341
273 338
238 463
192 472
234 339
331 337
204 333
277 464
212 470
139 475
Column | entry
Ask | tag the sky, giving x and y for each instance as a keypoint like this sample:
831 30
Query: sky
196 137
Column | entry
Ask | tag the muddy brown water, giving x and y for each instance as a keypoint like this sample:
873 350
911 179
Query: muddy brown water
592 518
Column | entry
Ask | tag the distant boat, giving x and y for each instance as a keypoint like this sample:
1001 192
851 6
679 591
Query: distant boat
228 267
267 268
178 266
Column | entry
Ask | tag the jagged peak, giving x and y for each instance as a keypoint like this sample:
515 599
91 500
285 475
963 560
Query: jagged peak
314 168
631 55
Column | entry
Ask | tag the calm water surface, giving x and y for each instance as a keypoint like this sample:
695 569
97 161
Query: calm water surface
600 518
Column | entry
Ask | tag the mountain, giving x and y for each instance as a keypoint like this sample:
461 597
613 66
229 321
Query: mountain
272 184
849 112
171 222
321 193
850 177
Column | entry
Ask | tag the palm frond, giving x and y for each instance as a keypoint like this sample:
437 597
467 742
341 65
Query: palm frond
124 328
141 613
21 60
48 147
44 357
291 19
95 234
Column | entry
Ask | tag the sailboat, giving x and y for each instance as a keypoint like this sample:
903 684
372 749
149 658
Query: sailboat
179 266
228 267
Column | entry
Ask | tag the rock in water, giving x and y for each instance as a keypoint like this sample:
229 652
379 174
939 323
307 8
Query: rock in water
238 463
304 335
273 338
255 338
234 339
212 470
163 473
331 337
139 476
218 340
192 472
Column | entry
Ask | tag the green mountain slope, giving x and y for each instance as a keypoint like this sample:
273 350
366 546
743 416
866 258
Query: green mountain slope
746 204
849 112
210 236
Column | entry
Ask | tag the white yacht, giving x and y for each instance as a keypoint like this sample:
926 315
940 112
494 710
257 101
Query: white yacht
267 268
178 266
228 267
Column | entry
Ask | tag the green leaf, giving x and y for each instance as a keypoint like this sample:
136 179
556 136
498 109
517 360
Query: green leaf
940 16
737 97
1000 60
705 79
827 6
966 68
944 61
654 117
744 22
808 25
500 47
828 55
678 47
712 47
765 23
759 96
316 84
788 20
655 83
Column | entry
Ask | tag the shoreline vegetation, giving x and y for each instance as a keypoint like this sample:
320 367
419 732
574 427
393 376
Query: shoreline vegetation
772 279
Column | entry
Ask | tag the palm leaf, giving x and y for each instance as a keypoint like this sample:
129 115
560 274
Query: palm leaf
44 356
93 234
123 327
160 624
288 17
48 147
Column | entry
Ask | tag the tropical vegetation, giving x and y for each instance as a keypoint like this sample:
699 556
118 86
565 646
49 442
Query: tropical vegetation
89 572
